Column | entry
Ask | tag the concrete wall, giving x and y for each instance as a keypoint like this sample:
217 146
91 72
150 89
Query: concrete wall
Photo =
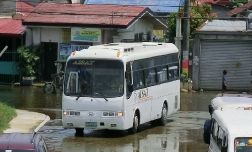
142 25
51 35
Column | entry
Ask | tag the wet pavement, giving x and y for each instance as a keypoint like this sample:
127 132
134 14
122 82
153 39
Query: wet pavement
182 133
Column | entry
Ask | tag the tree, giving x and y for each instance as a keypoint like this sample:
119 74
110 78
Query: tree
198 15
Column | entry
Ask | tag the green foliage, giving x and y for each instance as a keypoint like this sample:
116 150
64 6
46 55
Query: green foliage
184 78
198 15
28 64
7 114
237 3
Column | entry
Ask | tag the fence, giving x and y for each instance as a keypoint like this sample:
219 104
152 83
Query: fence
8 68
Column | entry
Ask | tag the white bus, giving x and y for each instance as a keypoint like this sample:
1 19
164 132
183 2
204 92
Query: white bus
230 101
231 131
149 90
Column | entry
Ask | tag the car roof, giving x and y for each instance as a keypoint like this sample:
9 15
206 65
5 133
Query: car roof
231 101
16 141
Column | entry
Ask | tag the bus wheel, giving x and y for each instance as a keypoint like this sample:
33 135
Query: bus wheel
153 123
79 131
163 119
133 130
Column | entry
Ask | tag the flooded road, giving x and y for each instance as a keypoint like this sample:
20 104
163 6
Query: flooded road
182 133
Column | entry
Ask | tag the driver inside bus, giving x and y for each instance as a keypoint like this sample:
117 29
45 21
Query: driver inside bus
117 84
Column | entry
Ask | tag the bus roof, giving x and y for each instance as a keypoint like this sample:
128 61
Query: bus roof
235 122
130 50
231 102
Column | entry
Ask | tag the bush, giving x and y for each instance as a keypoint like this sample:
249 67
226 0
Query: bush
28 64
7 114
184 78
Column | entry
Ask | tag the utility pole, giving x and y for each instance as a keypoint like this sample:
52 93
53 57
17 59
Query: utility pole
178 39
186 33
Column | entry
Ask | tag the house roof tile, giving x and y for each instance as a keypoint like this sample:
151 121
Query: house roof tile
80 14
24 7
9 26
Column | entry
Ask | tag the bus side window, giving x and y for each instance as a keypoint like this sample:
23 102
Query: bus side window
138 79
173 72
161 74
150 76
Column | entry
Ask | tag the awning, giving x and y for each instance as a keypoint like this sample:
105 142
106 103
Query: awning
12 27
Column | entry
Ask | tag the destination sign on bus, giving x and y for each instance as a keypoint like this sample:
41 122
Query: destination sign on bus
83 62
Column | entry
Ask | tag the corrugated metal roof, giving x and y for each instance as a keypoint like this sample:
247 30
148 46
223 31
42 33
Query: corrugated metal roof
9 26
80 14
157 6
223 25
24 7
239 9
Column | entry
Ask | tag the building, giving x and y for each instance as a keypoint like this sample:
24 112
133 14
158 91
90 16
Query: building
12 34
222 45
63 28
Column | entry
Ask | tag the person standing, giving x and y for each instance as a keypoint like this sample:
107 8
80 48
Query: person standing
224 81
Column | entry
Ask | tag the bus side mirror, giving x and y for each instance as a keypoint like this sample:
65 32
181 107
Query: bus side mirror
128 78
130 87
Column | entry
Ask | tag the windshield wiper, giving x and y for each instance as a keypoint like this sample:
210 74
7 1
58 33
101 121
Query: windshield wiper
96 88
80 95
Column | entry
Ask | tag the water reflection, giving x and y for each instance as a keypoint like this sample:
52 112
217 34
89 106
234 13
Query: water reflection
182 134
32 99
152 139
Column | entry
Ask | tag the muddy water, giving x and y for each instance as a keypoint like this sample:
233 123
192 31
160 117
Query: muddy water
182 133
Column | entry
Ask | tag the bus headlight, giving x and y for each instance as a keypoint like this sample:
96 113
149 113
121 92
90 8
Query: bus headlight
65 113
119 114
112 114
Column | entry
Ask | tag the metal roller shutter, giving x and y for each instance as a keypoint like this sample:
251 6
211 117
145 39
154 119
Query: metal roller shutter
233 56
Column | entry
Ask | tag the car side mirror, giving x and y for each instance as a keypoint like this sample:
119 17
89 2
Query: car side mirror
210 109
224 142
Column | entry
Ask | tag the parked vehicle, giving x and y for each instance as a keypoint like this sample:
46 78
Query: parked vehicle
230 101
230 131
23 142
57 82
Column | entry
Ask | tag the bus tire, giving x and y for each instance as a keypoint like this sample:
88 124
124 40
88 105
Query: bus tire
162 121
49 88
134 128
79 131
153 123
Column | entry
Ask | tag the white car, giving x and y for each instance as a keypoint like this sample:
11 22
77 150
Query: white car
231 101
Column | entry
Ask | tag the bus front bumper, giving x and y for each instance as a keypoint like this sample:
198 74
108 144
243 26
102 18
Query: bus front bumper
112 123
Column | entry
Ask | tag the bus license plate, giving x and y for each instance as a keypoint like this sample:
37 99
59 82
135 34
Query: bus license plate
91 124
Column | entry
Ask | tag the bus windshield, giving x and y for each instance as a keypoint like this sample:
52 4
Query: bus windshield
243 144
94 78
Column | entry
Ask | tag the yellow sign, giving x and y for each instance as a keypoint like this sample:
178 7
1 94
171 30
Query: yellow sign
66 35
